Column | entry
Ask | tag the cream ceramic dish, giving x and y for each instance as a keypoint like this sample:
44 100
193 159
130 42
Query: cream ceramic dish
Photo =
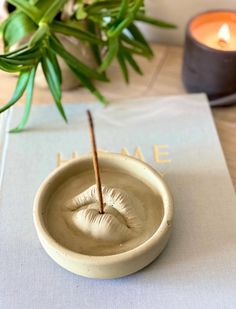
134 234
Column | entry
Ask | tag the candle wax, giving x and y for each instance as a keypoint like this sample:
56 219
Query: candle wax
207 34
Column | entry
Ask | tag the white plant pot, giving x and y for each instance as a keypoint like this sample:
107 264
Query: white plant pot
97 265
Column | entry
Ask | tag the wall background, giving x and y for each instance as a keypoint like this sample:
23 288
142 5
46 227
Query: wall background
178 12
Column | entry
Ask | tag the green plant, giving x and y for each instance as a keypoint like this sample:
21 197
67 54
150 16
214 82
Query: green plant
107 25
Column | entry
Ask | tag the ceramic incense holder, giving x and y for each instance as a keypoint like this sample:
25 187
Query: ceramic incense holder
132 232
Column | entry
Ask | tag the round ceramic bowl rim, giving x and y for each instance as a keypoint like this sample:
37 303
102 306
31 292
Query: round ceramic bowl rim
123 256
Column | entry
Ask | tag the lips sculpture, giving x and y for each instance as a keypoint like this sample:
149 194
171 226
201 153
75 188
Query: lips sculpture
123 217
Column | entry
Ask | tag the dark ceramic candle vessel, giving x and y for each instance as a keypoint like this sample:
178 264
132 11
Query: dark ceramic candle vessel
207 69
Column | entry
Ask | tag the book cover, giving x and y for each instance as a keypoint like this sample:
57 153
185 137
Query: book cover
177 136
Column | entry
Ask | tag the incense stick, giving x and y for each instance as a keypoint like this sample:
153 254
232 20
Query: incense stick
95 162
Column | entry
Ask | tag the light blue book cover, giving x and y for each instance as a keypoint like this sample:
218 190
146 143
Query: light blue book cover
174 134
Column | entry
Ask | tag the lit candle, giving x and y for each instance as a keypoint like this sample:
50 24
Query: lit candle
210 54
213 34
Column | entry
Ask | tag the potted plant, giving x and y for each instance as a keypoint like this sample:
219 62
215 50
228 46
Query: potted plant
36 32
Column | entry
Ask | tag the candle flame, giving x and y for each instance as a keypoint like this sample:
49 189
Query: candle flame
224 35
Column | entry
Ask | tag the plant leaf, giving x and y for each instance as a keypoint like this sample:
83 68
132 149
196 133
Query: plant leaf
137 45
10 67
18 62
88 84
19 90
80 13
42 5
16 28
30 54
30 10
16 51
121 60
137 35
54 84
52 11
113 47
53 58
24 52
132 62
154 22
42 31
96 6
29 96
133 50
68 29
94 47
126 21
74 62
120 15
123 9
2 25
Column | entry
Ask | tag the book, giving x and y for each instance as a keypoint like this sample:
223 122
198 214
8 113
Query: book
174 134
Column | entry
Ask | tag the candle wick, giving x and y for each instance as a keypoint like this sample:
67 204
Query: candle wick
222 43
95 162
